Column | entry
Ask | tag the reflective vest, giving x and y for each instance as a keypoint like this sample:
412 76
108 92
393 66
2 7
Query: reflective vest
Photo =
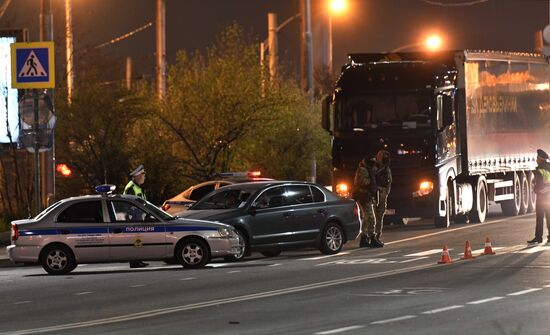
136 190
545 175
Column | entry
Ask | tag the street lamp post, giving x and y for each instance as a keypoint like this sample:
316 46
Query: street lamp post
432 43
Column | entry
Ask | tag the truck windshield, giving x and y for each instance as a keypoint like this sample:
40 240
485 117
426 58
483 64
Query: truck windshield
372 111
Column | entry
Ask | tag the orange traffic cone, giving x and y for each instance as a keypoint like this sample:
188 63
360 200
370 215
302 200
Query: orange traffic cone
445 258
488 248
467 251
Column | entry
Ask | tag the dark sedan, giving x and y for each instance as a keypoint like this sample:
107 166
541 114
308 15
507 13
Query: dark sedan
274 216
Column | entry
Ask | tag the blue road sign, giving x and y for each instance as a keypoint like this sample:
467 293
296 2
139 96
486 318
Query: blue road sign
33 65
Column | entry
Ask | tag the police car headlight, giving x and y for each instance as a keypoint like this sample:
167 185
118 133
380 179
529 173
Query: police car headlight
226 232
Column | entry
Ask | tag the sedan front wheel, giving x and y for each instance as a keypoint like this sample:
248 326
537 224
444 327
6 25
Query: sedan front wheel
193 253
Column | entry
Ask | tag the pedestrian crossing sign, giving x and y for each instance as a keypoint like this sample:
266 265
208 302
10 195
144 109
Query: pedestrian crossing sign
32 65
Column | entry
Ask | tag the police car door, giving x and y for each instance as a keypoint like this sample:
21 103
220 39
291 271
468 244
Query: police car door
81 226
134 233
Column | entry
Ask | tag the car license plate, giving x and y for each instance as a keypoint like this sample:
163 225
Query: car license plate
389 211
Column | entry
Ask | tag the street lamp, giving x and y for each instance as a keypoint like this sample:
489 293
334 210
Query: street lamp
333 7
432 43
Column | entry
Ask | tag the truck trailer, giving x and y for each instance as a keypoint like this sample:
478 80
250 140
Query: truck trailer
462 128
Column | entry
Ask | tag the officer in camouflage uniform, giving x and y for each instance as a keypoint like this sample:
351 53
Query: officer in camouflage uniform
365 194
383 184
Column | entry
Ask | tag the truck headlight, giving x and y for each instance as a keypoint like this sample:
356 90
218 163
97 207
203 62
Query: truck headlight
424 188
342 189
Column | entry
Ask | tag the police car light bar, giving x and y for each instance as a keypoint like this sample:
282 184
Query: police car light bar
251 174
105 189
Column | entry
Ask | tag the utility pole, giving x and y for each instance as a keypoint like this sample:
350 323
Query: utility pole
306 48
161 48
128 73
273 44
69 49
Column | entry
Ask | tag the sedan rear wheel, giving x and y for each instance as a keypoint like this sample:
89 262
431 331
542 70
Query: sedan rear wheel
193 253
332 239
58 260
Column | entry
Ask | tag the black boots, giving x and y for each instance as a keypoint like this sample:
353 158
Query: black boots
371 242
535 240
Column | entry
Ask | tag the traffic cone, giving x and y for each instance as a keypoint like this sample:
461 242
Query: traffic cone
467 251
445 258
488 248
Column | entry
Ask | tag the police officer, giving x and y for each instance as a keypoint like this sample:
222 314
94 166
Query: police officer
383 184
134 187
365 194
542 189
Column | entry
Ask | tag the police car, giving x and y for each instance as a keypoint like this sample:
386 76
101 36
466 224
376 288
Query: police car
115 228
185 199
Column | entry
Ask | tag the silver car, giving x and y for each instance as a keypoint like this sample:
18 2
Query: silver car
116 228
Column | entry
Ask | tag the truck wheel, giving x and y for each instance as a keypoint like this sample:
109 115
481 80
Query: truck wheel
443 221
479 212
524 203
532 196
512 207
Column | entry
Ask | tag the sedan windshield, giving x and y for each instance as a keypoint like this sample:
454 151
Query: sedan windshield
224 199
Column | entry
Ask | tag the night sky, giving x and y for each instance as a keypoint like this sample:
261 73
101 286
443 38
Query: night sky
368 26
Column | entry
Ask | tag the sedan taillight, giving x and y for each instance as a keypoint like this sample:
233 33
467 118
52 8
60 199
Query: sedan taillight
14 232
165 207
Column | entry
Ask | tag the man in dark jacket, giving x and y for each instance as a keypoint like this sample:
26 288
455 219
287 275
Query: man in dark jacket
364 186
383 183
542 189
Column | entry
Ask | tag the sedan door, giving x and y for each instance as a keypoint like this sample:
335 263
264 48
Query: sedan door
308 215
134 233
271 223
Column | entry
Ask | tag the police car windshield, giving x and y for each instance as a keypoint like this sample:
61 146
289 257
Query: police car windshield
47 210
156 211
224 199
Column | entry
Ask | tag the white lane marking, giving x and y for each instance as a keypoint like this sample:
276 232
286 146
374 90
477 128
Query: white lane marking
482 301
218 265
546 286
276 264
482 250
426 253
451 230
323 257
217 302
401 318
22 302
339 330
443 309
525 291
413 259
188 278
533 250
83 293
139 285
234 271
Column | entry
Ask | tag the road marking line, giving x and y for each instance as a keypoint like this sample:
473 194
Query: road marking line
276 264
83 293
414 259
188 278
234 271
339 330
546 286
426 253
533 250
223 301
323 257
482 250
140 285
525 291
22 302
477 302
443 309
401 318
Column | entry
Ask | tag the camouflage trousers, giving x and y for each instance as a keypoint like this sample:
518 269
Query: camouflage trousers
380 209
367 216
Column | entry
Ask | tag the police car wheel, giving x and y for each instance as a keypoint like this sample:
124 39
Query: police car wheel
193 253
57 260
332 239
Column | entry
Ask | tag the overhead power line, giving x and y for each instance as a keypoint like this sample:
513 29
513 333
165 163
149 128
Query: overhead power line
456 4
120 38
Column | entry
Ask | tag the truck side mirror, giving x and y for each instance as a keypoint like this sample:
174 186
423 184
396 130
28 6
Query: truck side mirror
325 118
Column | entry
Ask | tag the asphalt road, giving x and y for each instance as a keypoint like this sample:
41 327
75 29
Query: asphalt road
396 289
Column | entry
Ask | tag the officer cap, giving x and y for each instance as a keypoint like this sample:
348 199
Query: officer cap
139 170
542 154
